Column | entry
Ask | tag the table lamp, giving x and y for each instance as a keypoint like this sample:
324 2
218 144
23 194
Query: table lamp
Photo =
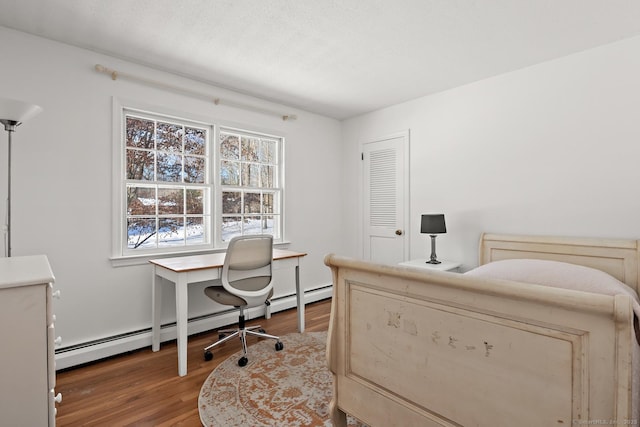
433 224
12 114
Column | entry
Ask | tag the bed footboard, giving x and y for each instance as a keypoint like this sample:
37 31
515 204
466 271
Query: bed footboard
408 347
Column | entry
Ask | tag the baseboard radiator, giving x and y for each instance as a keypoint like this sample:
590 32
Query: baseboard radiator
92 351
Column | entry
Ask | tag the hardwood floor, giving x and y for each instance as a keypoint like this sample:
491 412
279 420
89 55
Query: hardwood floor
142 388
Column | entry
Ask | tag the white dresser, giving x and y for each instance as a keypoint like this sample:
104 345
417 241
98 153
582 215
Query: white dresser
27 365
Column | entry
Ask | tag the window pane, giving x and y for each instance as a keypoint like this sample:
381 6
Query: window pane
251 203
229 147
170 201
169 167
250 149
140 165
231 202
268 151
141 201
139 133
231 227
194 169
252 225
250 175
170 232
195 202
195 141
267 203
267 225
195 230
169 137
141 233
267 176
230 173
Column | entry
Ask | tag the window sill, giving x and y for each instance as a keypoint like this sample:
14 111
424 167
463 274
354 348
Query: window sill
131 260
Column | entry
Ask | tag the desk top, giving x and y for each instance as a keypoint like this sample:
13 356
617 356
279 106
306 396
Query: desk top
200 262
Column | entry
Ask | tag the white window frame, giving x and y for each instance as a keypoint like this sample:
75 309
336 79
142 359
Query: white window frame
278 188
121 255
119 232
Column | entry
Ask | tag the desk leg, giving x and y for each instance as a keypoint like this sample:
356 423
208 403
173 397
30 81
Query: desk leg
300 300
181 323
156 304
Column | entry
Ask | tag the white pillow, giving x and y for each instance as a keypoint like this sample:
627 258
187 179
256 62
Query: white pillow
555 274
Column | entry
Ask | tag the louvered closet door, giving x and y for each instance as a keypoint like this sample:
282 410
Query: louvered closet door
385 181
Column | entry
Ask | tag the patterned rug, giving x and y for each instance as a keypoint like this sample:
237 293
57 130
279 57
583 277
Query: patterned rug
292 387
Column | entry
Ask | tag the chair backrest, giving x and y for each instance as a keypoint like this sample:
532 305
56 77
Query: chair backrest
246 271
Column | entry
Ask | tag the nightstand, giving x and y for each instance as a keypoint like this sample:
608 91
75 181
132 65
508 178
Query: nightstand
443 266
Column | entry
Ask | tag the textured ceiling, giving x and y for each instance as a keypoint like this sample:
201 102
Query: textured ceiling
339 58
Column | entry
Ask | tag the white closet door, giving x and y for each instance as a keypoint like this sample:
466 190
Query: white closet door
385 205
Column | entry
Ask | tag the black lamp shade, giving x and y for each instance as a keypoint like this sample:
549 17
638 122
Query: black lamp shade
433 224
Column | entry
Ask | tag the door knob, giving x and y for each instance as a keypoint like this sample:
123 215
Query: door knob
399 232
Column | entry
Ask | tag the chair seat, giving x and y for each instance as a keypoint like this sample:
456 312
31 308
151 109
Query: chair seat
220 295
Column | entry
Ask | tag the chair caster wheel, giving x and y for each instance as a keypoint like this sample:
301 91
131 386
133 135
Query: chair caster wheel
220 336
279 346
262 331
208 355
243 361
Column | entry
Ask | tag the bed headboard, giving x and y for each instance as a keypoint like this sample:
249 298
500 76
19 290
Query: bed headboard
618 257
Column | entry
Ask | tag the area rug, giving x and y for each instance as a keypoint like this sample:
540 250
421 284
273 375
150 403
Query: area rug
292 387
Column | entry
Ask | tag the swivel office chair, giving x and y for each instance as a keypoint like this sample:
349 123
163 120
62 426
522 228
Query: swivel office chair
245 281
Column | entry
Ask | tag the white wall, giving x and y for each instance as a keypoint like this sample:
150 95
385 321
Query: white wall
62 181
552 149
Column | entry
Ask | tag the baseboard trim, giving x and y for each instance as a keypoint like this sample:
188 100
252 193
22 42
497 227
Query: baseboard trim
111 346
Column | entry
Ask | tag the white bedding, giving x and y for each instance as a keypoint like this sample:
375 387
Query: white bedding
567 276
558 275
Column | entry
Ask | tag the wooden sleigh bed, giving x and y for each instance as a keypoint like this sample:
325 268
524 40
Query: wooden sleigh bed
411 347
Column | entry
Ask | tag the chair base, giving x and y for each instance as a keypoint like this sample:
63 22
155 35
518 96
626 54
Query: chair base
242 331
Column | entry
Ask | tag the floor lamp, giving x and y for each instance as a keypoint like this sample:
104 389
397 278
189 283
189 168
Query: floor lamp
12 114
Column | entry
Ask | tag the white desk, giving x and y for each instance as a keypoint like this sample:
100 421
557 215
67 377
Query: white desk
197 268
443 266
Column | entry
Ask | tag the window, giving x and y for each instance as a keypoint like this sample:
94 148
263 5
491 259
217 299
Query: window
167 185
192 186
250 184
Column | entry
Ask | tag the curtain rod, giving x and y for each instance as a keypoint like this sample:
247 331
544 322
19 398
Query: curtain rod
217 101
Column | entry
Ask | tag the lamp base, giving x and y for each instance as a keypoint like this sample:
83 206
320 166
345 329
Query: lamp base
433 259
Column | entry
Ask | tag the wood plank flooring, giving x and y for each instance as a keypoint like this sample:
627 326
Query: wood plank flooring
142 388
